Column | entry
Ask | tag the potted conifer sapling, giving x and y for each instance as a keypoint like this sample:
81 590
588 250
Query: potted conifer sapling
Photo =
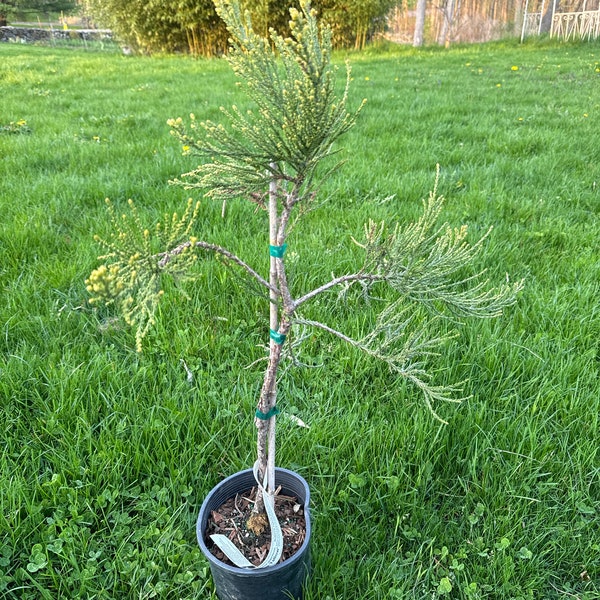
276 156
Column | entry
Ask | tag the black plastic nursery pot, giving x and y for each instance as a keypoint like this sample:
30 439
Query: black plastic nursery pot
279 582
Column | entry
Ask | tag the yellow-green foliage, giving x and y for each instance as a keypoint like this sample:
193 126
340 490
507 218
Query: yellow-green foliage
131 275
298 116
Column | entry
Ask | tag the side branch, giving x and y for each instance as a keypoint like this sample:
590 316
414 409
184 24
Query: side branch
167 256
407 363
334 332
372 277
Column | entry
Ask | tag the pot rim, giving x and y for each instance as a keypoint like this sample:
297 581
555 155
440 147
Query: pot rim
258 572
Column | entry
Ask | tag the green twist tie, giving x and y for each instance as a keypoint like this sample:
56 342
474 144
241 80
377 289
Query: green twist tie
277 251
277 337
266 416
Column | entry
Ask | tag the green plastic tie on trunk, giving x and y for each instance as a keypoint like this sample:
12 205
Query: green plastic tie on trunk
266 416
277 337
277 251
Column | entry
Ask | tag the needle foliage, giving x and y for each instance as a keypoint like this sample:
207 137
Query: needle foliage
274 152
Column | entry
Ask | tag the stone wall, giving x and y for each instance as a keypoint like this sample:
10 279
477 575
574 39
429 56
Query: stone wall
31 35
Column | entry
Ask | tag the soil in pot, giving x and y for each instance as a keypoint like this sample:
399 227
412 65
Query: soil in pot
231 520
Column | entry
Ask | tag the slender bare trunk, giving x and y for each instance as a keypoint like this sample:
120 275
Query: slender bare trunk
447 19
268 397
420 23
274 325
546 22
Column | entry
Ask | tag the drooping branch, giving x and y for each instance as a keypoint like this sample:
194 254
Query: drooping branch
328 329
354 277
168 256
406 361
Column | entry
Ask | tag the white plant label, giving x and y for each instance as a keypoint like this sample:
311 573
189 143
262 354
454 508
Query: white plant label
235 556
228 548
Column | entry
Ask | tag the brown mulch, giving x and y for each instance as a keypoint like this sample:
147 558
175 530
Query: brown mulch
230 519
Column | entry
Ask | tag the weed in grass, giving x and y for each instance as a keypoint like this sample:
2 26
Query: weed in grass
15 128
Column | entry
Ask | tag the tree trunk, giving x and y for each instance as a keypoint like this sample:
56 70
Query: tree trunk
519 15
268 396
448 17
420 23
546 25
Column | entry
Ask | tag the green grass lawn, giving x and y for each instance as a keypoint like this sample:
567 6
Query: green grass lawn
106 454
